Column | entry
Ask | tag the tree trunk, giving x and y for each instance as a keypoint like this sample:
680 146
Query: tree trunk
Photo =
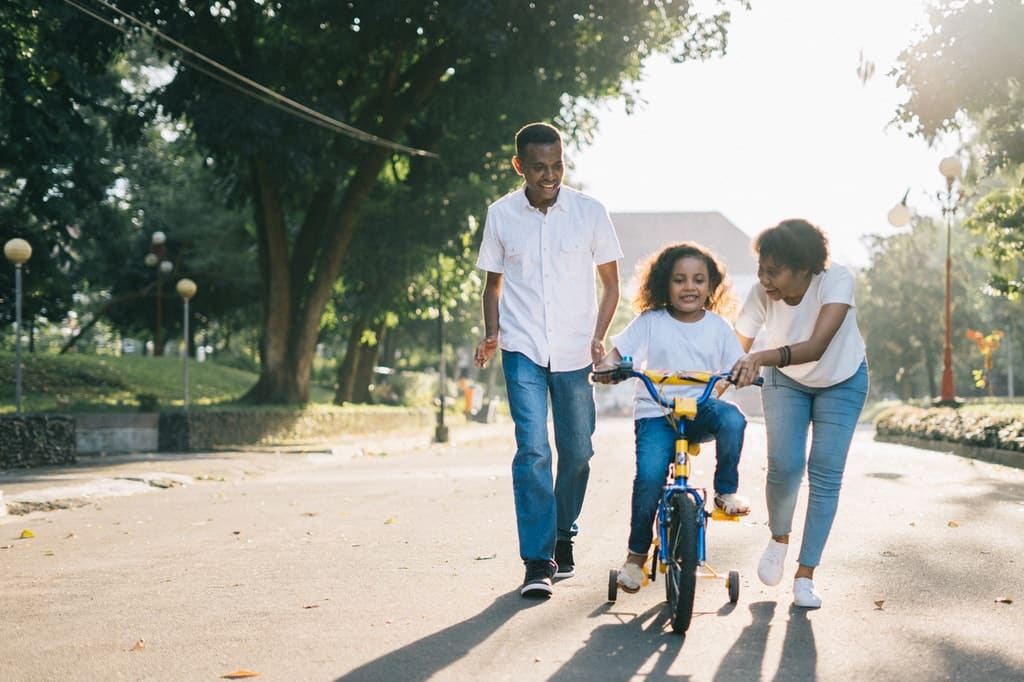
368 355
297 286
349 364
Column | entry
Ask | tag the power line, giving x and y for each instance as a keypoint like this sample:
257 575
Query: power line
262 92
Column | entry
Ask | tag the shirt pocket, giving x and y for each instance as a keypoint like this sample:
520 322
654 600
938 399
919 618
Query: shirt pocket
517 258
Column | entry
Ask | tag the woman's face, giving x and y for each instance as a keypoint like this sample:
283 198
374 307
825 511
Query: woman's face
781 282
688 288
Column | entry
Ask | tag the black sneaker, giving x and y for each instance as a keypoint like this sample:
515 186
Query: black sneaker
563 557
537 584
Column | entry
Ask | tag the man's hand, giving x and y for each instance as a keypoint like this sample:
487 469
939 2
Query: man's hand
485 351
596 351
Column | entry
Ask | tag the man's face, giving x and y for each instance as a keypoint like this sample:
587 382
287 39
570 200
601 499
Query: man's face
542 168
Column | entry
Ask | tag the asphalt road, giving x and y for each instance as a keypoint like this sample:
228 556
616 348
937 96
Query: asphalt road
397 560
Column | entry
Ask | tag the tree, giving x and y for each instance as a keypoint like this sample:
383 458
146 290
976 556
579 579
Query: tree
968 68
453 79
62 113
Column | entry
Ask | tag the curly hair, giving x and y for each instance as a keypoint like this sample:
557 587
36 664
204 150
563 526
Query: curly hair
656 274
794 243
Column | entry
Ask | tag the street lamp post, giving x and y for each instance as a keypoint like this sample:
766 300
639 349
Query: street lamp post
951 168
157 258
441 432
17 251
186 289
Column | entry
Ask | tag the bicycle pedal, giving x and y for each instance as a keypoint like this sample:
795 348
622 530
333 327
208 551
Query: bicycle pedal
720 515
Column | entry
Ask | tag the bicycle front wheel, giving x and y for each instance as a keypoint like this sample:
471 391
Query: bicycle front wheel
681 573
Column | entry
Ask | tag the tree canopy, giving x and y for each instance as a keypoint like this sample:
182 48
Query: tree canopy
454 80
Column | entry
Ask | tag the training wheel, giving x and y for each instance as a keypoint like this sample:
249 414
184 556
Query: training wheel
732 583
613 584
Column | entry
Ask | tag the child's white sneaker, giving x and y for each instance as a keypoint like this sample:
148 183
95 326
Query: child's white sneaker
805 595
771 566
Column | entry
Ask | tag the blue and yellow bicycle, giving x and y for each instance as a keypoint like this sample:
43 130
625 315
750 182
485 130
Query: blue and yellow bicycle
680 541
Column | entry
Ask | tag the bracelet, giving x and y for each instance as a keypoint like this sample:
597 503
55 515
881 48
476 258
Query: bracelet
785 355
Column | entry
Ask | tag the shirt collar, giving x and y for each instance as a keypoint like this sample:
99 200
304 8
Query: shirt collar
561 201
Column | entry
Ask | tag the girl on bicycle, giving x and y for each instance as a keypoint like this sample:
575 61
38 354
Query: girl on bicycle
678 327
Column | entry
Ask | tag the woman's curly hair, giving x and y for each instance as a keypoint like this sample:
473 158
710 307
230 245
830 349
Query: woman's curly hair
656 274
794 243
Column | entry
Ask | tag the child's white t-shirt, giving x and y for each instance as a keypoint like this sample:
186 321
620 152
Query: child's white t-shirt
786 324
656 340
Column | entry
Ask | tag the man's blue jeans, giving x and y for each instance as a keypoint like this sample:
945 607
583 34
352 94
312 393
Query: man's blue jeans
547 507
831 413
656 447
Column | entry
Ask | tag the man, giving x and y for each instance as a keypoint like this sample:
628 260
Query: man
540 247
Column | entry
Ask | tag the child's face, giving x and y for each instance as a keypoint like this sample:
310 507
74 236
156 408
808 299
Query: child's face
689 288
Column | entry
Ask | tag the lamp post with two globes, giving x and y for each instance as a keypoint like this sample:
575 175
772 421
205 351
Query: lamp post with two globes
157 258
17 251
951 169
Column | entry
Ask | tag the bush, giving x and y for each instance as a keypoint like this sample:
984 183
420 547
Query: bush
964 426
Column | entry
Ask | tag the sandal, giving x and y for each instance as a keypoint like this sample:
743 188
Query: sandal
631 577
732 504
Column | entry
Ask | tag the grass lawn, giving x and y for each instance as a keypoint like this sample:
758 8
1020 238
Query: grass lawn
96 383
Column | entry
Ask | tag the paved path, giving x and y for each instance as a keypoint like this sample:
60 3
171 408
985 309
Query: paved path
396 560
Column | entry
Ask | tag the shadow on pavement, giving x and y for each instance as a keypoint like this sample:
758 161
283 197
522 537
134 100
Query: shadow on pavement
619 650
424 658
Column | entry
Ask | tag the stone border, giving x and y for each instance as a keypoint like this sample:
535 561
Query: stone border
1010 458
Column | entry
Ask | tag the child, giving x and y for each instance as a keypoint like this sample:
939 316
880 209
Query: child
678 328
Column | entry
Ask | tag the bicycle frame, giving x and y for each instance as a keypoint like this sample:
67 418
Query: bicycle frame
678 411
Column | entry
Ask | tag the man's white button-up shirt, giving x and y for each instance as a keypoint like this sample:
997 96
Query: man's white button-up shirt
548 305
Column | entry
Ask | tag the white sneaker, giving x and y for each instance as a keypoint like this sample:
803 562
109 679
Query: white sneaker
771 566
805 595
631 577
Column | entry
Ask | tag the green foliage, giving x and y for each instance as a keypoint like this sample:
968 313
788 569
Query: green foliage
978 426
998 218
969 67
72 383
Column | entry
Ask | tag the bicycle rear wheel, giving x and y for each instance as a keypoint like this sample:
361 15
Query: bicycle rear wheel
681 575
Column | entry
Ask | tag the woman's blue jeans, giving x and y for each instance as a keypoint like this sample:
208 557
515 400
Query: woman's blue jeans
831 414
547 507
656 447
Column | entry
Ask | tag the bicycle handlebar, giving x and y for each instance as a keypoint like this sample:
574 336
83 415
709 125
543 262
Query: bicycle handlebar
624 370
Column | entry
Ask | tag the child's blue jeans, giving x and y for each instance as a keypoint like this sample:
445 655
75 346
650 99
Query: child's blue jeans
717 420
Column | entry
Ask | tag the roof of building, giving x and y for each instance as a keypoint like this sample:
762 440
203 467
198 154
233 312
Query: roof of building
643 234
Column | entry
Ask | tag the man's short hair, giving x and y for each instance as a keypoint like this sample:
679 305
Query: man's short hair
536 133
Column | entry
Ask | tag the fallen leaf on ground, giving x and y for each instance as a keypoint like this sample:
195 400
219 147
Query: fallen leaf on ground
27 534
485 558
879 603
139 645
1004 600
390 520
954 524
240 674
311 606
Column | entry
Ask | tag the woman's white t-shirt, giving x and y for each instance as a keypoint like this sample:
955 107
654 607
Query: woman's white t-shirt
786 324
656 340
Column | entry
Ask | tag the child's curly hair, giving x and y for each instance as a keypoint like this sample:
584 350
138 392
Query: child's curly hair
656 273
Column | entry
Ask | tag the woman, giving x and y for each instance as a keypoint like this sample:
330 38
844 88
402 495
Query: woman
815 374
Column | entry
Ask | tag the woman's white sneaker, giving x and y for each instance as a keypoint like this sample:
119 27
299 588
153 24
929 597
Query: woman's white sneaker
805 595
771 566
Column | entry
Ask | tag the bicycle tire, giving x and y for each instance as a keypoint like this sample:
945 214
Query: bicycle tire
681 576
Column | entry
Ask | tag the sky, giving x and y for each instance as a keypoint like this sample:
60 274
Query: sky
780 127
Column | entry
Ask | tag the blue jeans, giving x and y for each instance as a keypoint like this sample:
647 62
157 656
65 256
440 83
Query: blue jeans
547 508
655 449
790 409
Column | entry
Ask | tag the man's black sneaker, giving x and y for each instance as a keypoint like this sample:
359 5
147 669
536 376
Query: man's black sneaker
537 584
563 557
